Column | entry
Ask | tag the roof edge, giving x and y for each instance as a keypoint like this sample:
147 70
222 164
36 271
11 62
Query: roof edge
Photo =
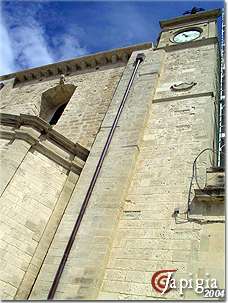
210 14
77 64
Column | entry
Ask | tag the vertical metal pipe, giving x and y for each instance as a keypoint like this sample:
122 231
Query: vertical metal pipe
139 59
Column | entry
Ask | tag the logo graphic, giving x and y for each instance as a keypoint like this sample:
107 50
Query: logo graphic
161 280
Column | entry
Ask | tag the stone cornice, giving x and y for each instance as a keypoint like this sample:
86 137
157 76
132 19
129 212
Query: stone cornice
183 97
77 64
207 15
190 44
27 122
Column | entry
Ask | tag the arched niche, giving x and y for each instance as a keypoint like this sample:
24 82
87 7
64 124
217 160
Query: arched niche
54 101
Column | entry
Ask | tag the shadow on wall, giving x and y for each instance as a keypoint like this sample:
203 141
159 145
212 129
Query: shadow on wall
54 101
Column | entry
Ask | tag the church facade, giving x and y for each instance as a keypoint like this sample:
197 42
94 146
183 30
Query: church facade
109 172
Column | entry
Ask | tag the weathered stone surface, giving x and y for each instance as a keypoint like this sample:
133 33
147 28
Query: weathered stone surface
112 184
129 230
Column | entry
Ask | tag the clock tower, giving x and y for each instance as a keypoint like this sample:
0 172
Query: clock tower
189 31
191 69
109 179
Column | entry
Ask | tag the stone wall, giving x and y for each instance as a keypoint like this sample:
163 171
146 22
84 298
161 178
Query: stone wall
84 270
129 230
35 190
26 206
149 238
84 112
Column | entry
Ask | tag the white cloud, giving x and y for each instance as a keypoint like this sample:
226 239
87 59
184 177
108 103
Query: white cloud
6 53
27 44
24 42
67 46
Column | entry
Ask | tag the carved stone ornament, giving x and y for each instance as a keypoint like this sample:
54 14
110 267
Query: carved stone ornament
62 79
182 86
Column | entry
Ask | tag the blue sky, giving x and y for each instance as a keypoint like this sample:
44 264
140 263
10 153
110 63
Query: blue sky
38 33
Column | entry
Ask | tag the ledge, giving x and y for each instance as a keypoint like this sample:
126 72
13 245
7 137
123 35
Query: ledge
210 195
214 191
190 44
45 129
207 15
183 97
77 64
42 138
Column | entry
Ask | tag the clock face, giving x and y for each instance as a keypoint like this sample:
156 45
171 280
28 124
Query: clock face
186 36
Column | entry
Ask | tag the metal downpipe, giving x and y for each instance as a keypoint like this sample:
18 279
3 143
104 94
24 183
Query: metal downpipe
140 57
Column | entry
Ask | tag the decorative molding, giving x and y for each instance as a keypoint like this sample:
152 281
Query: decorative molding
40 135
183 97
44 128
182 86
78 64
191 44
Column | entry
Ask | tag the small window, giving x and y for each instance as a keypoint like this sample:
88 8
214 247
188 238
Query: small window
57 114
54 101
